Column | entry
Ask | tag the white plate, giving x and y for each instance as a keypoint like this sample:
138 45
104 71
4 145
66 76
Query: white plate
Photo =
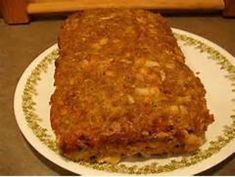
217 73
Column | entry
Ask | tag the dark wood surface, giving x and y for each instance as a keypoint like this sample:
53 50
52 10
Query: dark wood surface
20 44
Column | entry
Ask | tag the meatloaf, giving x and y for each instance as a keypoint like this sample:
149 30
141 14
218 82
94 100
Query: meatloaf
122 89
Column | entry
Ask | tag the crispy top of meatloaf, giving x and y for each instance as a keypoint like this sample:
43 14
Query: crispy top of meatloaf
121 79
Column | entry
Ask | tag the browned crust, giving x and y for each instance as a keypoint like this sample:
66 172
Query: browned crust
122 87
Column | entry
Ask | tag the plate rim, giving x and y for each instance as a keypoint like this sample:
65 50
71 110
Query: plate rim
86 170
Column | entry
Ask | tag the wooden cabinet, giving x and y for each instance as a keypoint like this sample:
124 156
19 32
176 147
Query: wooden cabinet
18 11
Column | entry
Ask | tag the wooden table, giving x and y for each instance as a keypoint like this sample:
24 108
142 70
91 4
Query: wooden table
20 44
